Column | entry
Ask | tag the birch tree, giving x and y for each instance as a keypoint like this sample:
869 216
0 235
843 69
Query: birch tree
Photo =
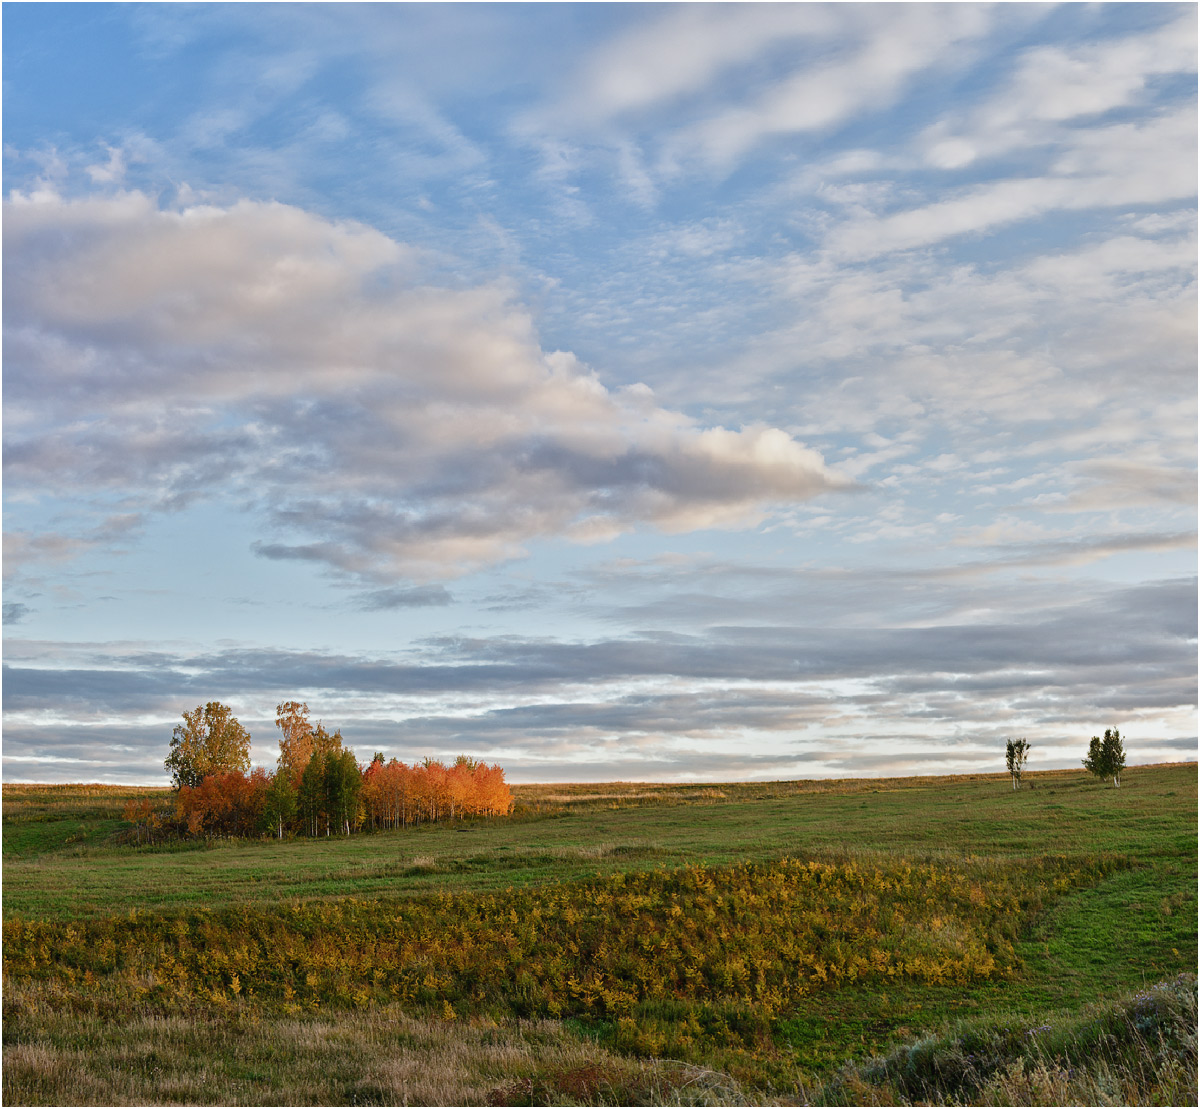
1106 757
295 739
1015 755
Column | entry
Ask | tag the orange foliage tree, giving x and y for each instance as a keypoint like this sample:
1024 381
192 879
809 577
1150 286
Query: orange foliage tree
396 795
229 804
319 788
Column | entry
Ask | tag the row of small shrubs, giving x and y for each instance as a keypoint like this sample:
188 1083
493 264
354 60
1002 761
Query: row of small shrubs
752 938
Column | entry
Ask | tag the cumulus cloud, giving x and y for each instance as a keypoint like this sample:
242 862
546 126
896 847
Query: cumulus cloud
383 426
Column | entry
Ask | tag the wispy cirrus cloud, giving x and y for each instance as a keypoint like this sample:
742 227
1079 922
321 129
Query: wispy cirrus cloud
1052 85
891 45
1121 165
701 70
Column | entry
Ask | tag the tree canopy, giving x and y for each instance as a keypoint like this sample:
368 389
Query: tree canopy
300 741
1106 757
295 740
1015 755
209 741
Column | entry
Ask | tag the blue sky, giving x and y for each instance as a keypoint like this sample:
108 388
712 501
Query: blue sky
608 391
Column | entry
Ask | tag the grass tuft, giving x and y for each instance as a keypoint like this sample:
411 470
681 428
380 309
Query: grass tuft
1139 1050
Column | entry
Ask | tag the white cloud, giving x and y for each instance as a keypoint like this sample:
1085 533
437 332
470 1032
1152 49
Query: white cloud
895 43
111 172
708 83
682 53
1120 165
391 427
1052 85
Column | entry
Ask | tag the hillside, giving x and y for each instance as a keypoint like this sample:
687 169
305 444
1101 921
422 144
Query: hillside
741 941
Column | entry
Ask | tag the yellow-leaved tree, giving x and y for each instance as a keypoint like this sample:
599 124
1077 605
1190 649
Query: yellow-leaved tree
295 740
209 741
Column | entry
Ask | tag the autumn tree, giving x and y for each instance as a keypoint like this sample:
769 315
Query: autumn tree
140 814
296 738
496 798
460 782
209 741
437 788
1015 755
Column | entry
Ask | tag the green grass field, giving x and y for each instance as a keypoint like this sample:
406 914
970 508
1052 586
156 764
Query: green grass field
1094 887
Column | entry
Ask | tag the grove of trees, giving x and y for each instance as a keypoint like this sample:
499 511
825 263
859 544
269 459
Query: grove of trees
318 787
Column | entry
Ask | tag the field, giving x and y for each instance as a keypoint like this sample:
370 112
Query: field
862 941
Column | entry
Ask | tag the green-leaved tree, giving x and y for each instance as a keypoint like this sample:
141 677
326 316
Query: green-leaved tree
1106 757
1113 751
310 797
343 787
1015 755
279 805
209 741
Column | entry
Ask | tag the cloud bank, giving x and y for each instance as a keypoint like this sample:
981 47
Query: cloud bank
380 425
822 689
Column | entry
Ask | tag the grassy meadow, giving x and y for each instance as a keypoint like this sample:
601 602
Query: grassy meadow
865 941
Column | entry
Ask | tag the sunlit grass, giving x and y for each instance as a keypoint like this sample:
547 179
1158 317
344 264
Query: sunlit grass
611 927
78 872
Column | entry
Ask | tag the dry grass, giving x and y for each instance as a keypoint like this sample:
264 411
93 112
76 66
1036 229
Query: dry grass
80 797
378 1057
1137 1050
1140 1050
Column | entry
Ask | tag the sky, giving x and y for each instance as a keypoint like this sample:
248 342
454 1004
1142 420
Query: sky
607 391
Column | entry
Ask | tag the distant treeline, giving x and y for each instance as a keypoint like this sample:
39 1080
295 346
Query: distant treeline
318 788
